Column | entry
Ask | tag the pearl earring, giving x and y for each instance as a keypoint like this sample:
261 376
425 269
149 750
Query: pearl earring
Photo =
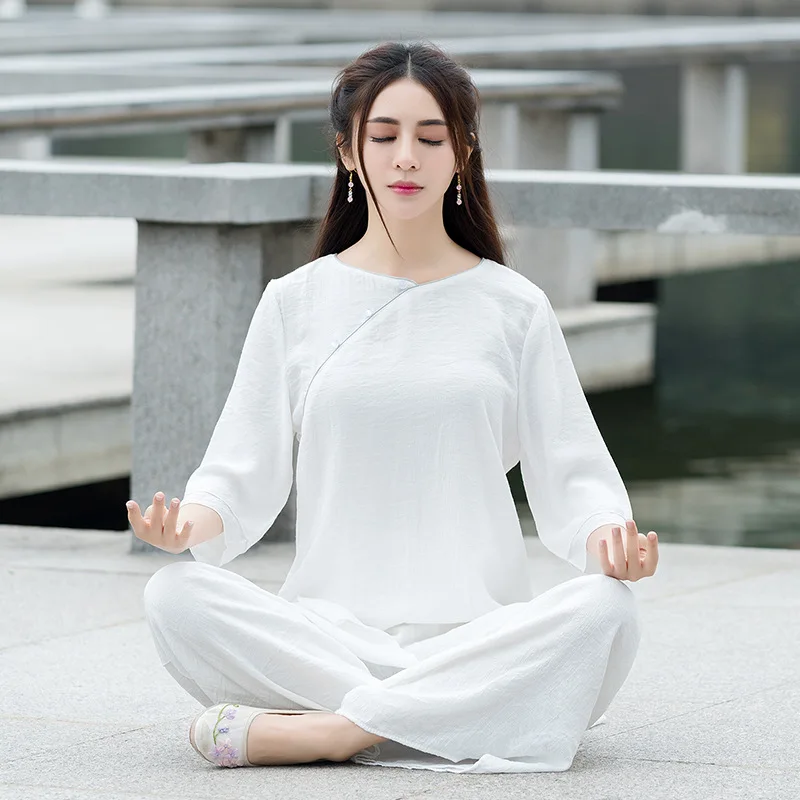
458 190
350 189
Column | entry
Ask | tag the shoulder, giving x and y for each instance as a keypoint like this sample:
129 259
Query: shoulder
518 294
513 281
301 284
299 277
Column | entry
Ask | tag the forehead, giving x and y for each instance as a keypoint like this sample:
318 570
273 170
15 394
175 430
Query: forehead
406 101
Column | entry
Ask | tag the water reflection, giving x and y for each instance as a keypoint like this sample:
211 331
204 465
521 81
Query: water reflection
711 451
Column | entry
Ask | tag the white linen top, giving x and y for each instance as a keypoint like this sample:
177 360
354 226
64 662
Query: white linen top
410 403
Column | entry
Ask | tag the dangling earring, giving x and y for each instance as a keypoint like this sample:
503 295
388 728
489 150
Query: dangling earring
458 190
350 189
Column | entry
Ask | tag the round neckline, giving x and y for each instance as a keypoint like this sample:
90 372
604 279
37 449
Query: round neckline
339 261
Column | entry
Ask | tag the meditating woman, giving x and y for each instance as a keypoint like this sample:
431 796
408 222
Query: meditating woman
414 369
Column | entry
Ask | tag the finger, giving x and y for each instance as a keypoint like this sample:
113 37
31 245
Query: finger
157 517
172 518
632 550
605 563
149 512
651 559
186 529
620 567
135 517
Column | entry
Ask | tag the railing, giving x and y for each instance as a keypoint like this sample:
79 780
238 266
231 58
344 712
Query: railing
142 28
258 110
712 57
529 119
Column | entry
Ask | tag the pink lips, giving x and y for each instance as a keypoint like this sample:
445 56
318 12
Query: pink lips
405 188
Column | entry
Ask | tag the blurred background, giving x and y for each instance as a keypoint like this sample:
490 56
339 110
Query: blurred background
709 448
654 7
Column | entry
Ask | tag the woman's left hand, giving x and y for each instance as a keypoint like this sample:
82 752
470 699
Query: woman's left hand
633 554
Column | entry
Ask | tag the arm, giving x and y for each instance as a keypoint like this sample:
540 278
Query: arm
573 486
245 476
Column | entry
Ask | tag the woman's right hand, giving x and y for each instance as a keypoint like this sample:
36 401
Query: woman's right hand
157 527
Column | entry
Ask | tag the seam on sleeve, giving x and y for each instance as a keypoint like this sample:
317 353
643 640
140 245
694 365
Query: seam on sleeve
278 305
587 527
522 356
239 532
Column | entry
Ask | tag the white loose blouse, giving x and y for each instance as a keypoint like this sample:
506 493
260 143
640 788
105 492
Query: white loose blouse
410 403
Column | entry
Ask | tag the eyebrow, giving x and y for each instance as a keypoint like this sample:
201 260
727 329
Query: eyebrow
422 122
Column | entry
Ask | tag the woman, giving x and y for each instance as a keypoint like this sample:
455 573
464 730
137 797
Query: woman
415 370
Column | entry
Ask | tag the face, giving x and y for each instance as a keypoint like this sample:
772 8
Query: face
406 140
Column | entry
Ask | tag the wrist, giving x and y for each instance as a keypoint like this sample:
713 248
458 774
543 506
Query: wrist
593 541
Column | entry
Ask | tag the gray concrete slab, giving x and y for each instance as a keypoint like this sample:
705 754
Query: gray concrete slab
249 104
717 734
239 193
49 34
74 345
708 711
143 29
27 83
52 251
659 43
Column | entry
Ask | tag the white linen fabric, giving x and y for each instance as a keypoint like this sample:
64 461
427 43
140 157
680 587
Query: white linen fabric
410 403
510 691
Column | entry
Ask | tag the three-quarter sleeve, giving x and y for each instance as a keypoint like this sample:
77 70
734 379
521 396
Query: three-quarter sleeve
571 481
247 471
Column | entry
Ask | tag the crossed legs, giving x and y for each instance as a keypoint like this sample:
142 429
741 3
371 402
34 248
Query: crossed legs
523 681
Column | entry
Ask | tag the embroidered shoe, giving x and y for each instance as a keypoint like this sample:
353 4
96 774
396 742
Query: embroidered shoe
219 733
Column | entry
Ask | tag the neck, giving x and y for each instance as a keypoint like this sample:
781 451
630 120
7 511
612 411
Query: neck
422 243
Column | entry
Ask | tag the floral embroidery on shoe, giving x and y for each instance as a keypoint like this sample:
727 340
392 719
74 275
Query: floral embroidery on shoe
224 754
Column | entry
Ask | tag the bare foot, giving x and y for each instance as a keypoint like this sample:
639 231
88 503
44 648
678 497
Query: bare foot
301 738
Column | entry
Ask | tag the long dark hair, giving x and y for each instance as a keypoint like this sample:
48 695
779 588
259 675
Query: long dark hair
471 225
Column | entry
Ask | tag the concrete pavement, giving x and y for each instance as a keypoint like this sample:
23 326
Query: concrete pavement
710 709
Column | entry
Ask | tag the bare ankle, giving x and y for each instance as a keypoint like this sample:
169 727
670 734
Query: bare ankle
351 738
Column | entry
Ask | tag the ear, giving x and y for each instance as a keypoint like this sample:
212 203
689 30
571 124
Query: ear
470 149
348 163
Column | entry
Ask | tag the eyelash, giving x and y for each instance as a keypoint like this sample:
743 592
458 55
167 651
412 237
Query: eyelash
387 138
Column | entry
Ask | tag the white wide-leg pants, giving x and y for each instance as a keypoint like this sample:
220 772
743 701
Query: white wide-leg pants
510 691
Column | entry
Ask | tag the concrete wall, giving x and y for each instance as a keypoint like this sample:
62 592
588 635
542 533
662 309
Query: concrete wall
657 7
726 8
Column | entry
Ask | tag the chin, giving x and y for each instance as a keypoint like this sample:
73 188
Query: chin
406 208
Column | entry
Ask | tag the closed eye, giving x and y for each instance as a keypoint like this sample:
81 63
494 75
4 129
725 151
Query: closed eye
435 143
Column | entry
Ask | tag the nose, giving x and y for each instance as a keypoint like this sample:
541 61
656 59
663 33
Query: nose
405 158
